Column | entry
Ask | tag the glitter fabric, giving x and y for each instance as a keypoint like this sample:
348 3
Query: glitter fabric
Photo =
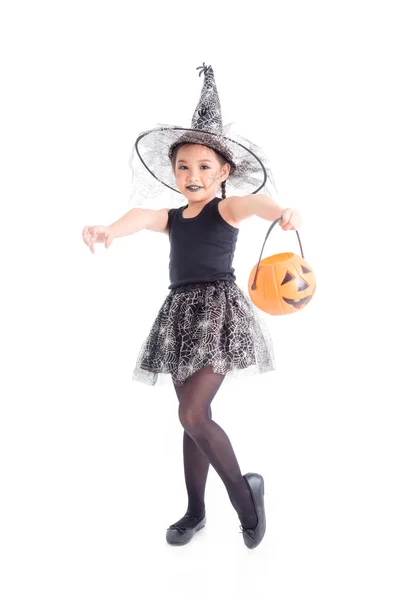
205 323
153 179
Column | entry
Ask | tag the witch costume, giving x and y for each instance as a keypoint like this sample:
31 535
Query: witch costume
206 319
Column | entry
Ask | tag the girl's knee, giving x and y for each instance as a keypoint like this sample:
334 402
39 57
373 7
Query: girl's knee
192 421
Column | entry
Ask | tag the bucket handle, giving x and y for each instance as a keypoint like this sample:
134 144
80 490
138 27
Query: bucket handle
253 285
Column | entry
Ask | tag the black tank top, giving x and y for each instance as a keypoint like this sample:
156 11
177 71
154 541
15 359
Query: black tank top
202 247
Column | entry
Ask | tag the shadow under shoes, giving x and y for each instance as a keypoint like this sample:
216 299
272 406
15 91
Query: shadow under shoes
253 536
179 536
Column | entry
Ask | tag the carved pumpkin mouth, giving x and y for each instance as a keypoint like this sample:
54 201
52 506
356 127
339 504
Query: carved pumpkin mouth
297 303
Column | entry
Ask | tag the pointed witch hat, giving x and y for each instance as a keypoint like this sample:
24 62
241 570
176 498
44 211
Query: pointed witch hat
153 149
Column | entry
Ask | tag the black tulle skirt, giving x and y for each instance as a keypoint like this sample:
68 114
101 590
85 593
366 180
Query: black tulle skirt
205 323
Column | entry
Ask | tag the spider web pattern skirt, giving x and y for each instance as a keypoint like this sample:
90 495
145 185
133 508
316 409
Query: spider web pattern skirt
205 323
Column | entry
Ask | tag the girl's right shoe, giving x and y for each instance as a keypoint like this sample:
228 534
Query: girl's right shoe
179 536
252 537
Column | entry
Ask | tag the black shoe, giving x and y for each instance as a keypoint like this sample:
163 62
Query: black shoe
253 536
182 535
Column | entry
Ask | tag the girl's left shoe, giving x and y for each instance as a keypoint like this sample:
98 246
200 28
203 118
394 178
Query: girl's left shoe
178 536
252 537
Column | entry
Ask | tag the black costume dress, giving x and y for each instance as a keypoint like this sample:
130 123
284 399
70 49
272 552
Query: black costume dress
206 317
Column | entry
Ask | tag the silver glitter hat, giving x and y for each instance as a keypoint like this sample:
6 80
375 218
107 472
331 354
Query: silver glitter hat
153 149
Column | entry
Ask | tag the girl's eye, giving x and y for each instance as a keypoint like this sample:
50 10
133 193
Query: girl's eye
184 167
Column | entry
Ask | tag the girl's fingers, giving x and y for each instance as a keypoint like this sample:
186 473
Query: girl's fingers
290 220
285 217
85 235
96 234
91 240
288 226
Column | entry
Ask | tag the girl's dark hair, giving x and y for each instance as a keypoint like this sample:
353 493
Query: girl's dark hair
222 160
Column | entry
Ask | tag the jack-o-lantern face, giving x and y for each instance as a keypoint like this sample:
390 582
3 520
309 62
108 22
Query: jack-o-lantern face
299 284
285 283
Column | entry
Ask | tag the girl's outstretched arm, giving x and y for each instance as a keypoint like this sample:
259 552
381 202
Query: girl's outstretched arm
263 206
134 220
140 218
131 222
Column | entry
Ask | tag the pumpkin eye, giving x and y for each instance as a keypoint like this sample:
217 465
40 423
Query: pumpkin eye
288 277
305 270
303 285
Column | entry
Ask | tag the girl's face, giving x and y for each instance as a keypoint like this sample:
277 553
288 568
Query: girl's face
198 165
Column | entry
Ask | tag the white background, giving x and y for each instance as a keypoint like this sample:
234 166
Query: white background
91 462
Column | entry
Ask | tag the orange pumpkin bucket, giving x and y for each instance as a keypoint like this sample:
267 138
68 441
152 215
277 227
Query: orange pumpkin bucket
283 283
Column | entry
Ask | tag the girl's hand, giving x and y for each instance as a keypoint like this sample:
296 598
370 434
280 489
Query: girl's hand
290 219
97 234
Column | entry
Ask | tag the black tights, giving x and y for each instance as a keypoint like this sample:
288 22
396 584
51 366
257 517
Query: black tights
205 442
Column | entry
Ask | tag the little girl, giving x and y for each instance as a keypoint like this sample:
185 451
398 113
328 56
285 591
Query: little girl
206 328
